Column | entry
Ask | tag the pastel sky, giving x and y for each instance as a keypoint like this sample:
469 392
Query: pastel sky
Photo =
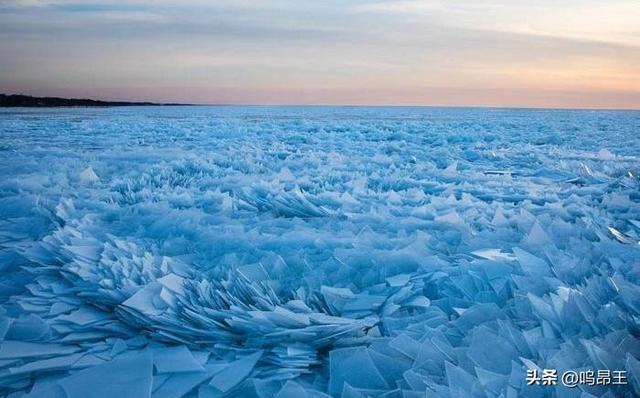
541 53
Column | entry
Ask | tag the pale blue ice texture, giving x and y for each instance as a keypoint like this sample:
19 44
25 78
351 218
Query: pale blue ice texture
314 252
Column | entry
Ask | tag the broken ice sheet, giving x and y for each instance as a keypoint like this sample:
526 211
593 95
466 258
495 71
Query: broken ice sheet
129 375
354 367
622 237
19 349
174 360
235 372
88 175
362 252
494 254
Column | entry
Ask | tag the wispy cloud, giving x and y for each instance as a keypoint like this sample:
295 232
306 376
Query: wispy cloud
366 46
615 21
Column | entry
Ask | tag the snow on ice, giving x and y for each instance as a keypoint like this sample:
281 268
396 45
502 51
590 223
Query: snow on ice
316 252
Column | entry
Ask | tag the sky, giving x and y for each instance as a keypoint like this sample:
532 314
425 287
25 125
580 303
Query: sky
521 53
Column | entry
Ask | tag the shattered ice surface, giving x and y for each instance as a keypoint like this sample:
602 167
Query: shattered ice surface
316 252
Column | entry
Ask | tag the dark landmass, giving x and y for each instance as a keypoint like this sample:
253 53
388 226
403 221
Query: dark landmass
19 100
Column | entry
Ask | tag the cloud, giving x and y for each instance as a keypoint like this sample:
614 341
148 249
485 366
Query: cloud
613 22
371 46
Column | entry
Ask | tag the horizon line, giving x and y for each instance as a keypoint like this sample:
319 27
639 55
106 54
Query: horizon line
344 105
424 106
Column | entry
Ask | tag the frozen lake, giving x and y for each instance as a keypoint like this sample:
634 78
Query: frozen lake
346 251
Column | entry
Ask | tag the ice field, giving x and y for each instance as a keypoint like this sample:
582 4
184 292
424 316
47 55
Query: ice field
317 251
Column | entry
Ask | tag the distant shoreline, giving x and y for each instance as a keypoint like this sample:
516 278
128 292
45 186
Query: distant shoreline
27 101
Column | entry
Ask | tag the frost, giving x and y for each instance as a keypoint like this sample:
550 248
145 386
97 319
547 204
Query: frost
285 252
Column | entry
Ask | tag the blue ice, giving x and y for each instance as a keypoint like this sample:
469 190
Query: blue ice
317 251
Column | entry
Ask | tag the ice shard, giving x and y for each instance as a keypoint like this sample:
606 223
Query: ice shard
317 252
